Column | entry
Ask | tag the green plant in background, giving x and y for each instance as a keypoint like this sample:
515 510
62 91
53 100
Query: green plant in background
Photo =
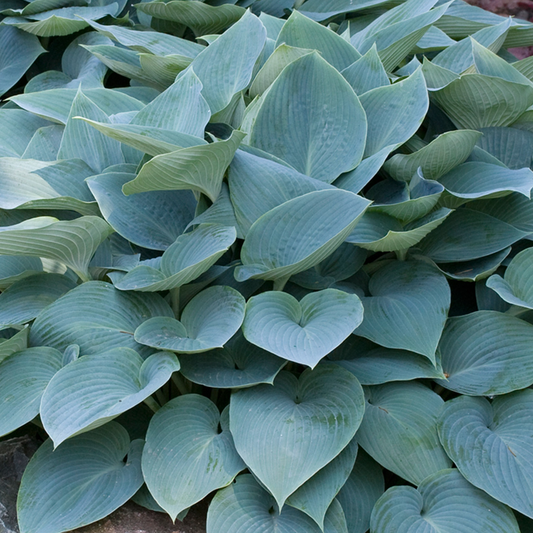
289 263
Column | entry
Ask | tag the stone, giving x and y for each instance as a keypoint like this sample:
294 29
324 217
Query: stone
15 454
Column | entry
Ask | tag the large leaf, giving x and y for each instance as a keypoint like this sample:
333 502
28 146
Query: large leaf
19 126
322 220
202 18
304 331
18 50
443 503
394 112
324 9
30 184
185 260
24 376
492 445
225 67
486 353
25 299
516 287
360 492
71 242
399 430
312 119
112 382
81 482
287 432
316 495
97 317
301 32
152 220
199 168
372 364
244 502
239 364
437 158
186 456
407 308
208 321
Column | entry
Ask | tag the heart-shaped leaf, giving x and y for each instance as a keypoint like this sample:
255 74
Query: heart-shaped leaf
360 492
111 383
98 317
516 287
443 503
399 430
324 132
208 321
492 445
186 456
408 307
486 353
322 219
81 482
305 331
185 260
316 495
287 432
239 364
23 378
244 502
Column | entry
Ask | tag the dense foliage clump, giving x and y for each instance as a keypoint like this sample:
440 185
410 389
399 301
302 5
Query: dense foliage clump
276 252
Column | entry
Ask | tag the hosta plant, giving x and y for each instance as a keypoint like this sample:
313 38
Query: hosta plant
270 253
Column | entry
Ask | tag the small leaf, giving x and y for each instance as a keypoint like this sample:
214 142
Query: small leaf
305 331
239 364
208 321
